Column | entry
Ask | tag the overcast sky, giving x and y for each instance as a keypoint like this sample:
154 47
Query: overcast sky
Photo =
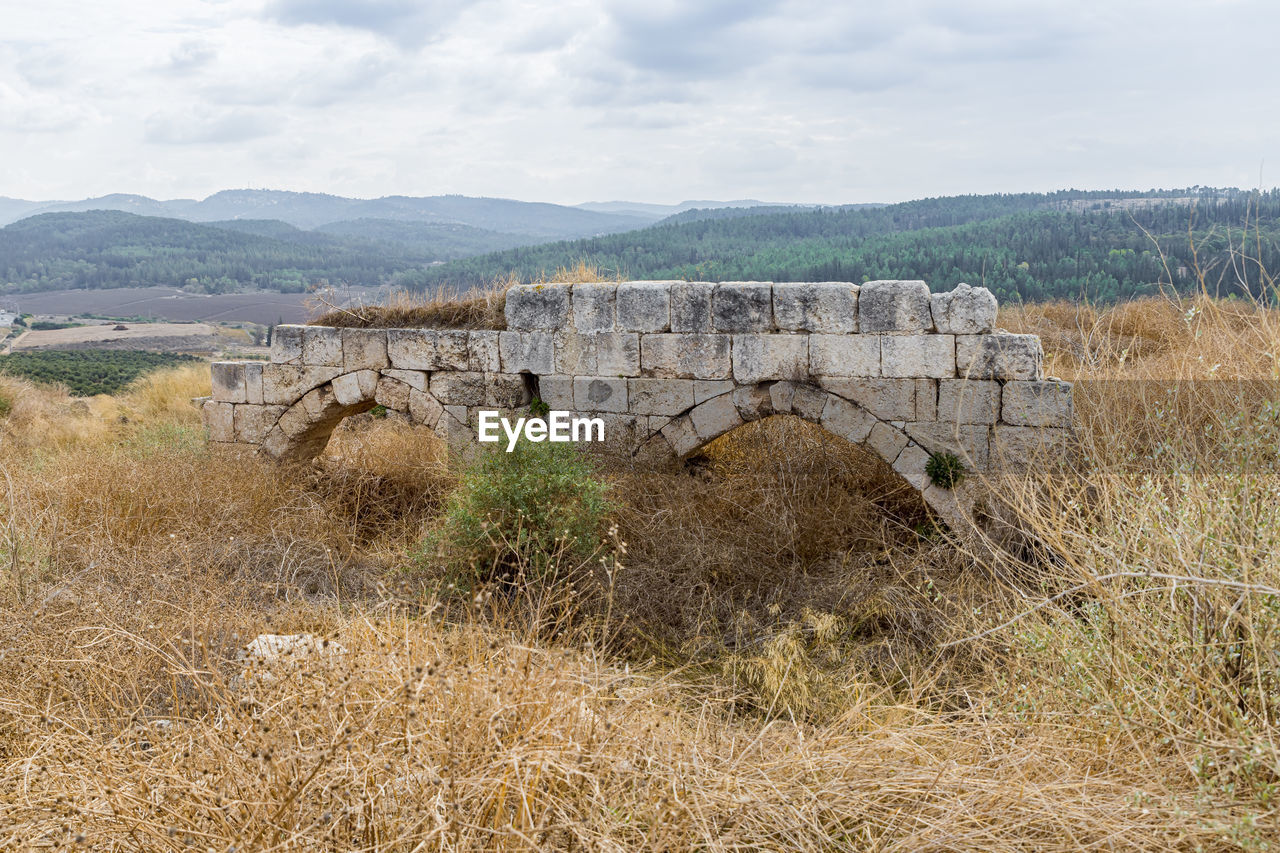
647 100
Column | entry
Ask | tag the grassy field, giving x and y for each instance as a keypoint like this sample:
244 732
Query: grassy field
775 649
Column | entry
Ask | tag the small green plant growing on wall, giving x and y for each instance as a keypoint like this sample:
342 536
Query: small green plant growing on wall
945 470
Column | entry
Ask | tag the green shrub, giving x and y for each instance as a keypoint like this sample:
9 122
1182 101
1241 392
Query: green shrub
6 406
521 512
945 470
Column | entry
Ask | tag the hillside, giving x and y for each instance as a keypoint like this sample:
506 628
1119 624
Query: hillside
1026 246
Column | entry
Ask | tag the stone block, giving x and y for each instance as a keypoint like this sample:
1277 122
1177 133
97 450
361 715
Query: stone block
827 306
808 401
970 442
1021 447
844 355
846 420
617 354
681 435
458 388
284 384
253 382
968 401
526 352
506 390
286 344
452 350
644 306
319 402
423 408
295 420
753 402
759 358
622 432
482 352
705 389
228 382
742 306
219 418
927 399
894 306
910 465
599 394
364 349
887 399
887 442
322 345
575 354
1045 403
412 378
453 426
691 306
557 392
715 417
963 311
926 356
659 396
780 397
346 389
412 349
685 356
593 306
252 423
999 356
537 307
393 394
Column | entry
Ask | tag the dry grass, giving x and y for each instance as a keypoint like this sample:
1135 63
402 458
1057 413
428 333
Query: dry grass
791 656
481 308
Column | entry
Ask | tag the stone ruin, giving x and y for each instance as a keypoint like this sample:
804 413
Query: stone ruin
671 365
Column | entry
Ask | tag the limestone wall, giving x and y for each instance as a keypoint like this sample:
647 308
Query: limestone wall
670 366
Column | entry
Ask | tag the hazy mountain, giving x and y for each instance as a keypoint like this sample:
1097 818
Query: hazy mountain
660 211
449 238
309 210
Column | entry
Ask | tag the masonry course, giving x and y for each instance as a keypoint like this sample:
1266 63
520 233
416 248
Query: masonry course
670 366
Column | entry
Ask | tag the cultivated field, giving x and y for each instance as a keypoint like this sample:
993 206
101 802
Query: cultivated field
772 649
183 337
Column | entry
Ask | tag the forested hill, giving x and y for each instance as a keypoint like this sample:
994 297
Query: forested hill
1027 246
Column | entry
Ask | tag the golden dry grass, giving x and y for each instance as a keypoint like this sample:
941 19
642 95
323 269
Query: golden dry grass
792 656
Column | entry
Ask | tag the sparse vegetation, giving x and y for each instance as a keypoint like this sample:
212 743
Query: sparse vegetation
774 659
945 470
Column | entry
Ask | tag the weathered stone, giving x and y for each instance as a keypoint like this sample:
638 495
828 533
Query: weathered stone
557 392
970 442
846 420
537 307
963 311
617 354
219 418
318 402
412 349
808 401
644 306
527 352
759 358
968 401
295 421
715 417
253 382
685 356
681 435
228 382
825 306
575 354
364 348
705 389
657 452
887 442
458 388
284 384
1021 447
412 378
887 399
894 306
599 394
659 396
753 402
506 390
252 423
322 345
780 397
452 350
453 426
346 389
593 306
691 306
286 344
844 355
482 352
742 306
910 465
1044 403
622 432
927 399
999 356
424 409
932 356
392 394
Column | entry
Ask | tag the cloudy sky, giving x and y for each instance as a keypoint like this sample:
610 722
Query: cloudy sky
648 100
